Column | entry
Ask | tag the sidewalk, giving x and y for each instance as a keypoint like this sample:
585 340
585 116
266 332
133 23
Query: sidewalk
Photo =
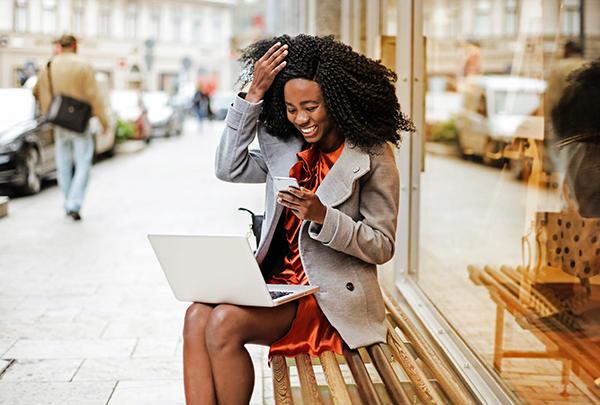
86 315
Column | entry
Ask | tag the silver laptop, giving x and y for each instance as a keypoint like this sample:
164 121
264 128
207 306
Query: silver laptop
217 270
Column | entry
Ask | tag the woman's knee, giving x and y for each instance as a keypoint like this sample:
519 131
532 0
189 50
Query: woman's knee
196 318
224 328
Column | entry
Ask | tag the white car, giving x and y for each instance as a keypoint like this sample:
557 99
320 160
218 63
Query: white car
496 110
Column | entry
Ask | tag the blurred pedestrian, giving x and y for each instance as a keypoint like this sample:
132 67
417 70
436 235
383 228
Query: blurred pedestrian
571 60
574 244
71 75
328 117
201 104
576 121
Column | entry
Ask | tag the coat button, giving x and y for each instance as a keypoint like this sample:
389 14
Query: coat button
356 169
350 286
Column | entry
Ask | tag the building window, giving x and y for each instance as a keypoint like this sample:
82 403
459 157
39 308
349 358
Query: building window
483 9
131 14
49 16
78 17
197 28
570 17
21 15
155 25
104 21
177 20
511 17
217 24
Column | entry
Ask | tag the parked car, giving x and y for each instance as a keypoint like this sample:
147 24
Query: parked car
132 117
26 142
164 119
496 111
220 102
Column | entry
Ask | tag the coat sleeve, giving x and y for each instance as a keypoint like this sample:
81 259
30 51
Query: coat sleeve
371 238
234 161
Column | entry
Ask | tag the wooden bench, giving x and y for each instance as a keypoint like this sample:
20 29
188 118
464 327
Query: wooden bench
514 294
405 370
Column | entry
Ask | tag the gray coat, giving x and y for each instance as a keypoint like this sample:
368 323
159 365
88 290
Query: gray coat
361 195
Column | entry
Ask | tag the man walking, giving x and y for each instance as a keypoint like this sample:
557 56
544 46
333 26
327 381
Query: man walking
71 76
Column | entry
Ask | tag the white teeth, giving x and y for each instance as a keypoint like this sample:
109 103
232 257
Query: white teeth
308 130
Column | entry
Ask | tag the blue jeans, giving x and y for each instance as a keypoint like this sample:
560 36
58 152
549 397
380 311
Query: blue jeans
74 153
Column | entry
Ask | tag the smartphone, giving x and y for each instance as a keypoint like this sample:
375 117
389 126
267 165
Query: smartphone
281 184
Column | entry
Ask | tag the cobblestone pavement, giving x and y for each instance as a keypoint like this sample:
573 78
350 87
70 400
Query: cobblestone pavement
86 315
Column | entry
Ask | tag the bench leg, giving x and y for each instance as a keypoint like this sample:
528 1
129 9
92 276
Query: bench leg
565 375
499 337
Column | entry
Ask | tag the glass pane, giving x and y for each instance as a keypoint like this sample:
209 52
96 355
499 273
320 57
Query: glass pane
510 224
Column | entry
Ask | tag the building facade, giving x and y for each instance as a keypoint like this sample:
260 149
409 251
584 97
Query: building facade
145 44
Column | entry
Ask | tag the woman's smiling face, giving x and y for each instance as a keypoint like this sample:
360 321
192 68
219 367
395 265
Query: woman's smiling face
305 109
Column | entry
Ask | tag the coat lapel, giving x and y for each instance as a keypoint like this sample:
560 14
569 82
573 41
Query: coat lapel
338 184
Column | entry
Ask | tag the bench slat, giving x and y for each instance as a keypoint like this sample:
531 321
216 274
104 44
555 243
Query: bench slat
422 386
308 382
335 379
365 386
448 381
282 390
387 374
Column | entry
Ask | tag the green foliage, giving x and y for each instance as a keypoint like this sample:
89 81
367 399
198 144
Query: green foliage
125 130
445 132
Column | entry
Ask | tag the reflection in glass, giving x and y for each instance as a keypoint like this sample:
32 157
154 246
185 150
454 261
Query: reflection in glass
509 253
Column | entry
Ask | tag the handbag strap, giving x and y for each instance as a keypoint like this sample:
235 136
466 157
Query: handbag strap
50 78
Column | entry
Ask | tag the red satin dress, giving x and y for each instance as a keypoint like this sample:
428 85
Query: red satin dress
310 332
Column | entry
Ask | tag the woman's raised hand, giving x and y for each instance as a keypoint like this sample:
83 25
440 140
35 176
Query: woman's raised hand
265 70
304 204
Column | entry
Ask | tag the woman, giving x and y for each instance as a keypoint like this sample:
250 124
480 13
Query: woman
325 115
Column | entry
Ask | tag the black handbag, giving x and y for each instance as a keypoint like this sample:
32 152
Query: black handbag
68 112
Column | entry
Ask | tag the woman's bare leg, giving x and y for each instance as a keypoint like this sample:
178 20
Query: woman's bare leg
197 374
229 328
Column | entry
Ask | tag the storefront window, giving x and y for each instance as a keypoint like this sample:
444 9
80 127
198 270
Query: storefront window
509 244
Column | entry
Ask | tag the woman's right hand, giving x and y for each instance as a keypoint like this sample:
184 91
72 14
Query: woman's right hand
265 70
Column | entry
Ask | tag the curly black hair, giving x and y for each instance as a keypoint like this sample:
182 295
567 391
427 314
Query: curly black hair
577 116
358 92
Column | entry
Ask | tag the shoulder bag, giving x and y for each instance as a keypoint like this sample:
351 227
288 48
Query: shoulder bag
68 112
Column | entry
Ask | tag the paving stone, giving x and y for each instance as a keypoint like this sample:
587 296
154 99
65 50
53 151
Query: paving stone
71 349
4 364
168 392
51 330
154 368
144 328
149 347
42 370
5 344
55 393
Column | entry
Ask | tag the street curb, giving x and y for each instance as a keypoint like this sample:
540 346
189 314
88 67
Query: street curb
131 146
443 149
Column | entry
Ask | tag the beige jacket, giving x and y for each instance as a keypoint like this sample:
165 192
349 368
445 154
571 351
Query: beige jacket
72 76
361 193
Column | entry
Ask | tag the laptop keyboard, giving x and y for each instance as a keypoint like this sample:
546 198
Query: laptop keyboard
279 294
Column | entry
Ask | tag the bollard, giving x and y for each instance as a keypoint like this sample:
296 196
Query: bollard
3 206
